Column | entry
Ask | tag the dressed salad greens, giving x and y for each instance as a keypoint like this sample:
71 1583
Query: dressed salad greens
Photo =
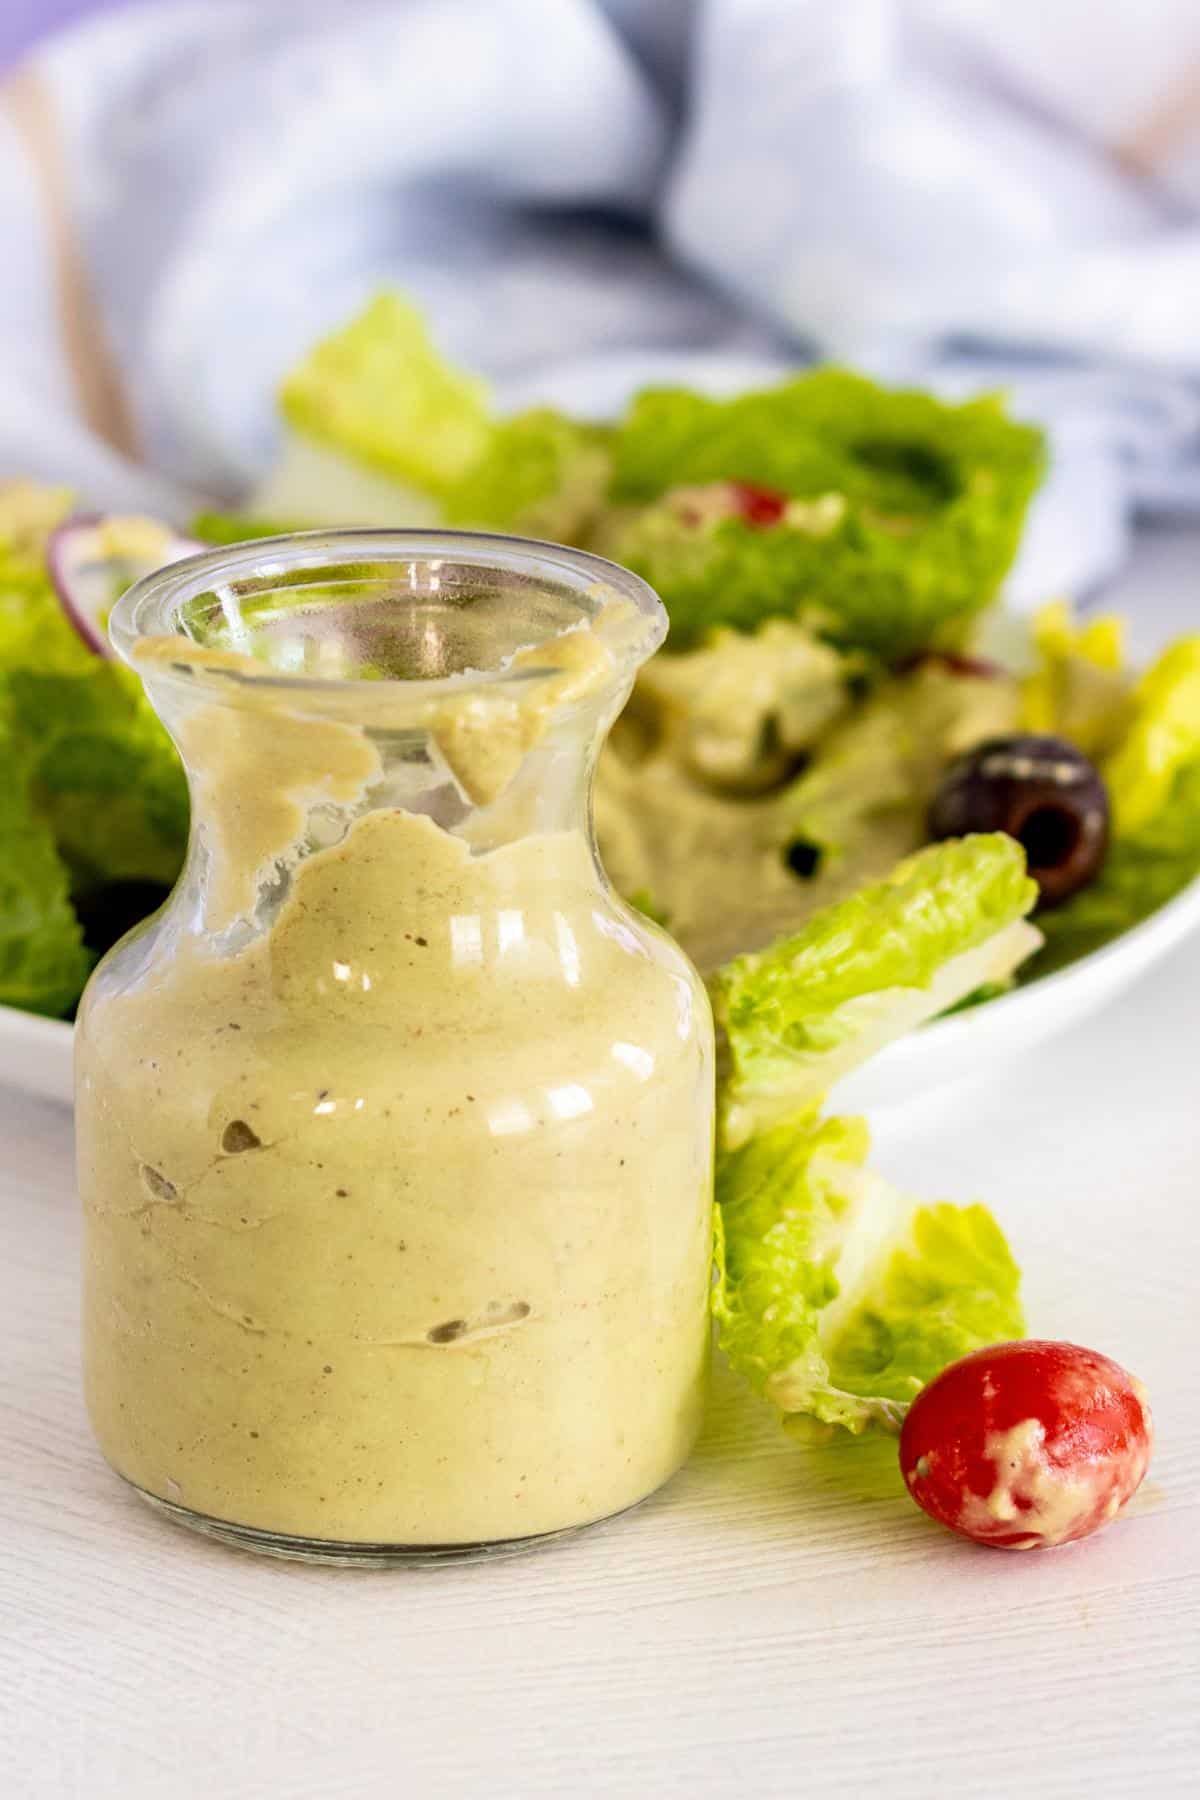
93 803
837 1296
828 551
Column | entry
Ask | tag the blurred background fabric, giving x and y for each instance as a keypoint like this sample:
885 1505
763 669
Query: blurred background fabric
588 194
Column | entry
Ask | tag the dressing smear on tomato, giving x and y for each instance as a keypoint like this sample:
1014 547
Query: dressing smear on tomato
1027 1445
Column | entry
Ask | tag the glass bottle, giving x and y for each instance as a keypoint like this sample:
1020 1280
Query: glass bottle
395 1123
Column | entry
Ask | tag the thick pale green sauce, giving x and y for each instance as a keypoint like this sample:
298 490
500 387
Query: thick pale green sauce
398 1220
398 1216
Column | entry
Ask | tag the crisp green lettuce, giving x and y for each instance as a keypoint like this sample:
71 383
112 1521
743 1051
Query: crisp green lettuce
932 496
838 1298
43 964
862 769
886 757
1153 778
379 396
96 792
726 573
103 774
1143 870
802 1013
540 473
378 391
737 712
1079 688
905 511
1163 738
34 632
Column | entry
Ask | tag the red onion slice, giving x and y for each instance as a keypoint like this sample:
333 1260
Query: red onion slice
90 572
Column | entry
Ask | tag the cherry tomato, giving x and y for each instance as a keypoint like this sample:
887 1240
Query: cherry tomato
1028 1444
758 505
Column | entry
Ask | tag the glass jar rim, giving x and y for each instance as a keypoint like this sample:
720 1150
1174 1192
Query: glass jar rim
152 607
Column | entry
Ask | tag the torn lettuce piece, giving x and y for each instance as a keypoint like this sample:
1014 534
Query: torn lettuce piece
1143 870
43 963
888 755
98 768
1153 779
899 514
933 498
738 711
104 775
379 393
1079 689
540 473
29 511
802 1013
34 630
1162 739
836 1296
384 431
710 573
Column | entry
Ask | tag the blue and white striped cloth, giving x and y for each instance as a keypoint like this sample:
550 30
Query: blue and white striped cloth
587 194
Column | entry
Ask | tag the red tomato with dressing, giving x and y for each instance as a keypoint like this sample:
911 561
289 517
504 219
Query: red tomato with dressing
761 506
1027 1445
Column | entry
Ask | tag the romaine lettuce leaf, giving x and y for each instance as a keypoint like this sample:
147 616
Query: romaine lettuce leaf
934 496
1143 870
98 769
1153 779
540 473
380 392
104 775
836 1296
725 573
34 632
913 512
888 755
1079 689
738 711
804 1012
43 964
1163 738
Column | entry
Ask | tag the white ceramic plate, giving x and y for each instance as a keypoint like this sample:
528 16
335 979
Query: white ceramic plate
979 1042
35 1054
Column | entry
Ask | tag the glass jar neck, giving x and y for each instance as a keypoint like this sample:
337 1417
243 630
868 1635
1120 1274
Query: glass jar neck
273 786
314 683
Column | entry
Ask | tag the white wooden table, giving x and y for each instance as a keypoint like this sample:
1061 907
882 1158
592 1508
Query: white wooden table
778 1622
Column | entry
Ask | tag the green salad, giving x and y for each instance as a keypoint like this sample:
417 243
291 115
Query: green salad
93 802
829 551
837 1296
851 813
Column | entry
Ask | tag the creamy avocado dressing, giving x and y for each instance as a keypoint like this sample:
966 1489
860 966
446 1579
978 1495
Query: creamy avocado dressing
1044 1503
743 790
397 1196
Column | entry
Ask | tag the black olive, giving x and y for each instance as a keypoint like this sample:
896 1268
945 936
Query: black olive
1040 790
803 858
